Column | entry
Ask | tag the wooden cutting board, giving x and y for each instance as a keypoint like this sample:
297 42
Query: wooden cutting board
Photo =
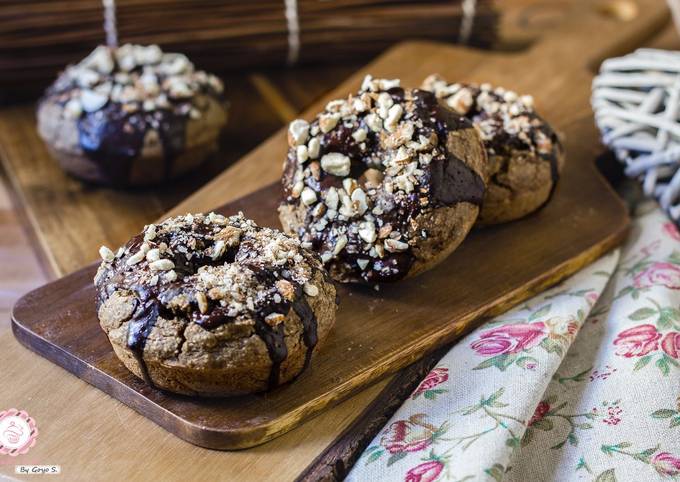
494 268
376 333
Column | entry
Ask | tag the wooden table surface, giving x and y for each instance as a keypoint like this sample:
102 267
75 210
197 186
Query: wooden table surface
117 442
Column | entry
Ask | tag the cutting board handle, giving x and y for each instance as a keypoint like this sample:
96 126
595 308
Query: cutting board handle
601 29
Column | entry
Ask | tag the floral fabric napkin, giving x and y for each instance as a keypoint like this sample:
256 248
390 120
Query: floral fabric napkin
580 383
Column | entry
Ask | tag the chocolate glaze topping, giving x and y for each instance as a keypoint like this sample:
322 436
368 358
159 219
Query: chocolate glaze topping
118 96
365 169
211 270
507 122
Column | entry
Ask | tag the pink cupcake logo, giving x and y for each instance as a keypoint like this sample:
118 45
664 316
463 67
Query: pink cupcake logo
17 432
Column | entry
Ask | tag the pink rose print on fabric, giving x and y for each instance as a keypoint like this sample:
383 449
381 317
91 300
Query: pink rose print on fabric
426 472
541 409
509 339
671 344
647 251
409 435
592 298
603 374
658 274
637 341
672 231
613 415
562 330
666 464
433 379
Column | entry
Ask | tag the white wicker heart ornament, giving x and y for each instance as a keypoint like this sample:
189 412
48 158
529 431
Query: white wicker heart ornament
636 100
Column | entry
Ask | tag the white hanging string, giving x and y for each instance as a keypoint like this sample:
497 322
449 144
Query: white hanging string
110 23
674 5
293 25
469 12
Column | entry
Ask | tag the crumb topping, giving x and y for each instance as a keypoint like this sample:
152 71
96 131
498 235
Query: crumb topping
362 171
138 78
503 118
211 268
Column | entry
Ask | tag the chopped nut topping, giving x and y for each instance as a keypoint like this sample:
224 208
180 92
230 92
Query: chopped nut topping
162 265
340 244
373 177
393 116
336 164
139 255
327 123
218 249
313 148
392 245
349 185
302 154
359 135
461 101
308 196
202 302
153 255
286 289
298 132
150 232
367 232
494 112
106 254
274 319
332 198
359 201
136 77
374 122
385 231
230 235
264 266
310 289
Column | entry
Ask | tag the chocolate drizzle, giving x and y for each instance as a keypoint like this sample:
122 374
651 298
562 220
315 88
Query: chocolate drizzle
158 298
113 139
274 338
309 323
139 328
453 182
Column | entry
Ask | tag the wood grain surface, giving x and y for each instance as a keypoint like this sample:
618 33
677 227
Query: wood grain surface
37 39
118 443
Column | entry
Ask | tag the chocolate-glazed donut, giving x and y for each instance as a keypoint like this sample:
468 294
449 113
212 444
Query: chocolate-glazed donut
525 154
384 184
133 115
214 306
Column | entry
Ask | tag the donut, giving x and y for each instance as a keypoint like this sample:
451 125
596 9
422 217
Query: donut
131 116
214 306
525 154
383 184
